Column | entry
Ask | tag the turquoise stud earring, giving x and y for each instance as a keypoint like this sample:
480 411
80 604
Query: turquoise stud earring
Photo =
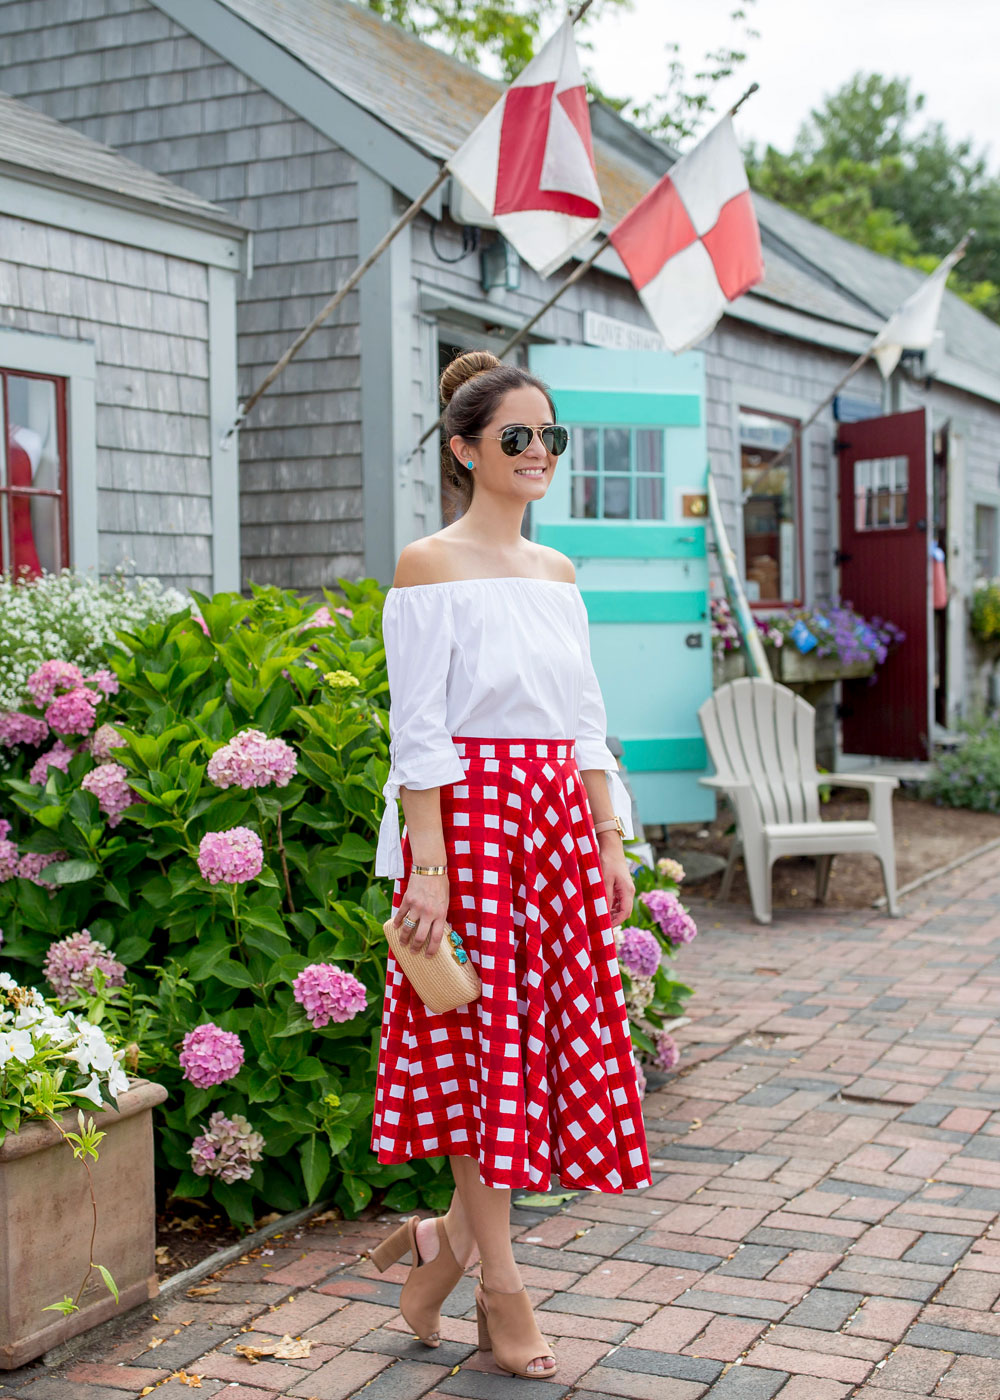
470 464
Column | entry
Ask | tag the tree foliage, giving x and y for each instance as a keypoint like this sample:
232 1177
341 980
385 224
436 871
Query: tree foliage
862 166
508 32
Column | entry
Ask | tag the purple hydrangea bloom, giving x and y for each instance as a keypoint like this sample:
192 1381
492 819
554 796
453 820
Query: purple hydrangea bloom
210 1055
640 951
32 863
252 760
9 856
57 757
667 1051
105 680
674 920
231 856
108 782
73 712
51 677
227 1149
103 740
71 963
16 728
328 993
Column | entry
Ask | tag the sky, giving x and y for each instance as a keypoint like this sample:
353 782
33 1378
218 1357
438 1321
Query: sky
808 48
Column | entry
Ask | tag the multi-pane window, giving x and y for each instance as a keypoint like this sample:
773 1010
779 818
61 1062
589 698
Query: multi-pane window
34 517
618 474
769 472
881 493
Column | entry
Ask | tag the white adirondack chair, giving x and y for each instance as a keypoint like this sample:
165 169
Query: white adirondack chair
761 739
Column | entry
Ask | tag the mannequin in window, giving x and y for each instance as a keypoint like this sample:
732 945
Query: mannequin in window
24 452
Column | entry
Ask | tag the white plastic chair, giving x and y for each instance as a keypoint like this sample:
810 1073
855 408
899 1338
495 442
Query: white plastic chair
761 739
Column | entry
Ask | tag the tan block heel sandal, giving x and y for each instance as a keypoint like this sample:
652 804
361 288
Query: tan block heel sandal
507 1327
429 1281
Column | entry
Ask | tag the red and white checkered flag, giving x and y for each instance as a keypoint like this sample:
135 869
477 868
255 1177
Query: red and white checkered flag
691 245
530 161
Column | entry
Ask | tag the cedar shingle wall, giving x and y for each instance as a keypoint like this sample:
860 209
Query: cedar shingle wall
121 72
147 316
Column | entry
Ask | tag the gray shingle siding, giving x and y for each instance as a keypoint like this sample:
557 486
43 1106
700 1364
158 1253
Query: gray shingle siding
122 73
153 467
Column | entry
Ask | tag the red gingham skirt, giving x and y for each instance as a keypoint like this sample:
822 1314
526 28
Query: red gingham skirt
537 1078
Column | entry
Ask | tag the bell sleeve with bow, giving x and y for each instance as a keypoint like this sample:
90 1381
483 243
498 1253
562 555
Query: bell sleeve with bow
592 728
417 631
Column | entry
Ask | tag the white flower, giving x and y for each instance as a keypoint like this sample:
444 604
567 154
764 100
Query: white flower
91 1090
15 1045
117 1080
92 1050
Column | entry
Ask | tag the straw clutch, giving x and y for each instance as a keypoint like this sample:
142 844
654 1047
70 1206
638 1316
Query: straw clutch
443 982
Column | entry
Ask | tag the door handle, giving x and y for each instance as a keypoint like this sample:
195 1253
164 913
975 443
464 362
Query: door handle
922 525
839 557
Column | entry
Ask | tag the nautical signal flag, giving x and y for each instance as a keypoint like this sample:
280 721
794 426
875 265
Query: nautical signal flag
530 161
691 245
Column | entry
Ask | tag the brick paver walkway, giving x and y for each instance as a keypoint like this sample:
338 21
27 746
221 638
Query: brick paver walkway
826 1177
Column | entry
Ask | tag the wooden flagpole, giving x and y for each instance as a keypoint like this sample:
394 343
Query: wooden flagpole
330 306
797 436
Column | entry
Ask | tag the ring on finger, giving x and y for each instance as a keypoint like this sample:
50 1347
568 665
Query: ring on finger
410 923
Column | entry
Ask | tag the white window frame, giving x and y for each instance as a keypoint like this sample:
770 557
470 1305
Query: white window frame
76 362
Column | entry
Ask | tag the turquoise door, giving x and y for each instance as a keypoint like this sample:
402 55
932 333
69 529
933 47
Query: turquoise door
627 505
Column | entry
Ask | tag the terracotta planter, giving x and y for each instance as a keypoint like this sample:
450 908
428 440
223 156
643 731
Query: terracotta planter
46 1221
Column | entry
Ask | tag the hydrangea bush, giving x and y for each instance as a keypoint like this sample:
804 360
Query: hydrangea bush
206 821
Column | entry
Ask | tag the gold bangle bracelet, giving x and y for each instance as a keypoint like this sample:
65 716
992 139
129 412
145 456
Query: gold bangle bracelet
428 870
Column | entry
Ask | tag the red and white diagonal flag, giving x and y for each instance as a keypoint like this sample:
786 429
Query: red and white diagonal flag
530 161
692 243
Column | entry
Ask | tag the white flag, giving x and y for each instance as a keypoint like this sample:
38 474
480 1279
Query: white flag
530 161
912 327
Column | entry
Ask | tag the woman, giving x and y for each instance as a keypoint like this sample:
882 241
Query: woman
512 836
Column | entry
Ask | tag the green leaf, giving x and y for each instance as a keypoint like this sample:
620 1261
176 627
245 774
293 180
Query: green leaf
71 872
106 1276
233 973
315 1157
541 1201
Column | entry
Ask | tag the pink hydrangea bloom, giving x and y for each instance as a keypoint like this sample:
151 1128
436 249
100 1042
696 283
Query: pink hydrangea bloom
73 712
104 739
640 1080
667 1052
105 680
227 1149
71 963
109 784
4 828
676 923
670 869
8 857
210 1055
232 856
32 863
252 760
320 618
16 728
640 951
328 993
345 612
53 676
56 757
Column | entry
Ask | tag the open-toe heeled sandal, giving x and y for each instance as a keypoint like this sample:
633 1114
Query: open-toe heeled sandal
507 1327
429 1281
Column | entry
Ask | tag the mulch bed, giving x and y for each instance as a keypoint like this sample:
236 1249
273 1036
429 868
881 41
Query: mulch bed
927 837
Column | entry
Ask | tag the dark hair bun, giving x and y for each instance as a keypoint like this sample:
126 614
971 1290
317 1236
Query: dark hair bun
462 369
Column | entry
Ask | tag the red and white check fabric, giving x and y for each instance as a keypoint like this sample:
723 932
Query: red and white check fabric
537 1078
692 244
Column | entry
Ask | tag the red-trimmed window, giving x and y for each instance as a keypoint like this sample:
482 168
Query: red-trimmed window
772 516
34 505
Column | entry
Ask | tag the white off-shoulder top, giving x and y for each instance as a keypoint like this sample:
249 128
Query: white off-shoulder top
494 658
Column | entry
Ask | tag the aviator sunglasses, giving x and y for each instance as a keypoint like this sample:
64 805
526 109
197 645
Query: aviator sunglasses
516 438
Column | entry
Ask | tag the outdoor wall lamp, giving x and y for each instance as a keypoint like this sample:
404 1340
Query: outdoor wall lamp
500 266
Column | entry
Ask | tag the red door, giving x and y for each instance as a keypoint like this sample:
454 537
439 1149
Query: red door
884 572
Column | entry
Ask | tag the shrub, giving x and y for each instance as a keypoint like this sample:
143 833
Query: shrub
970 775
984 610
211 828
